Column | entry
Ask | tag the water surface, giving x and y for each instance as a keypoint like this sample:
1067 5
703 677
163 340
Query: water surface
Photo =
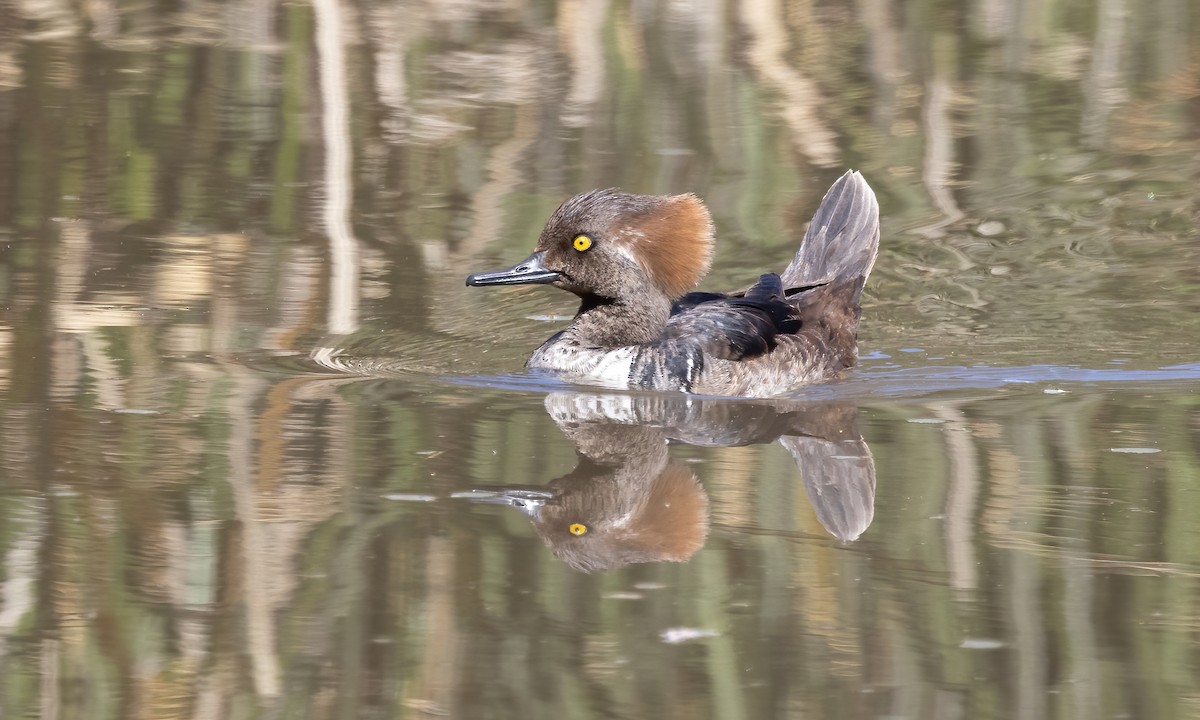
265 456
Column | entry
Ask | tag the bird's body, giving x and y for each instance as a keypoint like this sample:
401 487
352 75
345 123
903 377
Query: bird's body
631 259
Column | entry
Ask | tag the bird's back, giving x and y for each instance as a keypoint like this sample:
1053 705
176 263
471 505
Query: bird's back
786 330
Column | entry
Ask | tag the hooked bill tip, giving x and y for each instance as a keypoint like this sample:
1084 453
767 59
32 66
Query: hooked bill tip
529 271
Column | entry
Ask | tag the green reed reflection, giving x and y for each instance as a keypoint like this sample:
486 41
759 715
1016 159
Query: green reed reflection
241 544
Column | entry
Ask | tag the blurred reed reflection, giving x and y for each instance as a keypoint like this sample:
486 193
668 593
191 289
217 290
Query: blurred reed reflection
237 546
627 502
1035 167
191 529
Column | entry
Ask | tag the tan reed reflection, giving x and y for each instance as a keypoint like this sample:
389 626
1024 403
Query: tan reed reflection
335 132
800 98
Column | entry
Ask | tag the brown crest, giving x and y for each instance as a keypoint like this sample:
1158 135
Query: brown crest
673 243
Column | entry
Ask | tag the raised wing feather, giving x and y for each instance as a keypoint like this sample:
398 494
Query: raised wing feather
732 327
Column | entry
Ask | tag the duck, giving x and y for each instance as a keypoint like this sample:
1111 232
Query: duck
633 261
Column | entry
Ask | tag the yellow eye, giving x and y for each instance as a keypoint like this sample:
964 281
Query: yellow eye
578 529
581 243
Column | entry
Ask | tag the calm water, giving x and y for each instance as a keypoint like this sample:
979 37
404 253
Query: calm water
265 456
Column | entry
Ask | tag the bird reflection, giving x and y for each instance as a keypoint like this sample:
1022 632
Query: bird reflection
627 501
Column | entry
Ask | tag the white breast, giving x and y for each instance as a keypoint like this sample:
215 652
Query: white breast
608 367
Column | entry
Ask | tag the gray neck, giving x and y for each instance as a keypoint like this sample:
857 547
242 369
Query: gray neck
608 323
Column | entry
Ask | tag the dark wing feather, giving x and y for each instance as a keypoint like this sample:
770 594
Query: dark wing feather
732 327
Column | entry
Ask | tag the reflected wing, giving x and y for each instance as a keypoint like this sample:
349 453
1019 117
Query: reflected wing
839 477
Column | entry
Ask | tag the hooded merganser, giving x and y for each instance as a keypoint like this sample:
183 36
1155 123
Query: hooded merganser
632 258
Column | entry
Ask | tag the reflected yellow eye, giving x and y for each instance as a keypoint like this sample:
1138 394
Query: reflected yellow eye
581 243
578 529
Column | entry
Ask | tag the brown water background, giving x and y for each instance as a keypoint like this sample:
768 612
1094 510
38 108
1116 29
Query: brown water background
254 427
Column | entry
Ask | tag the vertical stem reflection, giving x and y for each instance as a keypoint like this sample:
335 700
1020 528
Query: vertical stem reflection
335 130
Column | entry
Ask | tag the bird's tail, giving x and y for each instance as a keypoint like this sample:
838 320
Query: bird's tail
842 241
